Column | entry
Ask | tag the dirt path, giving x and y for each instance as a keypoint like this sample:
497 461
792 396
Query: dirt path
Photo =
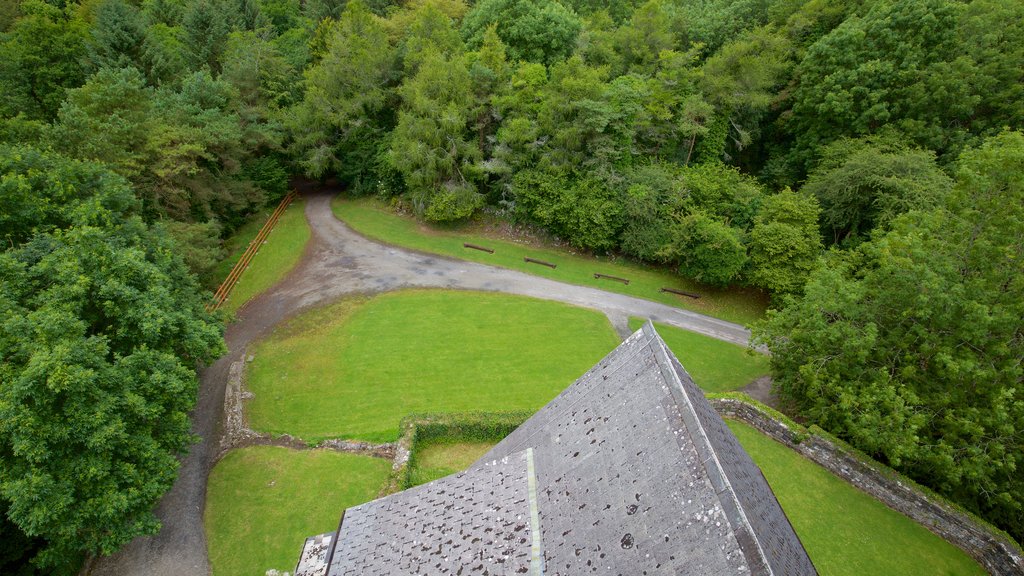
337 262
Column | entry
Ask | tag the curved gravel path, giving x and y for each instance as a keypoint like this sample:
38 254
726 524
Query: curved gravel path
337 261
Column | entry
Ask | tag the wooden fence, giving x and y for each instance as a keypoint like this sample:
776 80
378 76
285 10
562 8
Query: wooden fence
225 288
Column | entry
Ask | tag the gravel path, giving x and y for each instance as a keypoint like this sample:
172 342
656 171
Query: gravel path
337 262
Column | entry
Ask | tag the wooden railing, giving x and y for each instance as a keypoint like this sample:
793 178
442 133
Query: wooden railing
225 288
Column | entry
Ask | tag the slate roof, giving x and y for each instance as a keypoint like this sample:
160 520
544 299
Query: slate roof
628 472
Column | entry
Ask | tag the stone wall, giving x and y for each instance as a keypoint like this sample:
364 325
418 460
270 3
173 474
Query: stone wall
997 553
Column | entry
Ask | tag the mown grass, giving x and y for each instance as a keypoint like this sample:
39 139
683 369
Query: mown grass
846 531
354 369
262 502
280 253
437 460
714 365
371 218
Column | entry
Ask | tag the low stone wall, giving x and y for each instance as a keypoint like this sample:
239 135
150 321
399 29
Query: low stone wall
997 553
237 433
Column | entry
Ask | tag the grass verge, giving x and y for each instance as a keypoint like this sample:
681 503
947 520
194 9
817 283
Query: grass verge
279 254
371 218
845 531
715 366
355 368
263 501
437 460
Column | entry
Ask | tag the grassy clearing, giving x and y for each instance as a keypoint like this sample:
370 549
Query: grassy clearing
844 530
356 368
433 461
371 218
715 366
279 254
263 501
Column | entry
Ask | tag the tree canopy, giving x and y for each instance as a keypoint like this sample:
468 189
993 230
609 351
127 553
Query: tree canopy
102 326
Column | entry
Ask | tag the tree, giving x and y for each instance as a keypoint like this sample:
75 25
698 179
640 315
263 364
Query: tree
489 73
429 145
900 64
909 347
784 243
653 200
654 27
577 207
263 77
343 117
864 184
723 191
164 54
206 32
706 250
40 58
534 30
102 327
183 150
118 36
427 27
740 81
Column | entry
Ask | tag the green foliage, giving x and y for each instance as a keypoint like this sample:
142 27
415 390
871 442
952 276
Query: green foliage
206 29
992 35
716 22
40 59
117 36
179 148
263 77
164 55
429 147
430 29
102 329
864 184
653 198
909 347
341 120
42 193
902 63
706 249
582 210
724 192
534 30
784 243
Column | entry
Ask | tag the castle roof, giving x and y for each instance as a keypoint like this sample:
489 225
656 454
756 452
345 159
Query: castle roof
629 471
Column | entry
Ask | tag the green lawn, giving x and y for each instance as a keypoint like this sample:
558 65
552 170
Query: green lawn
433 461
844 530
714 365
279 254
263 501
355 368
370 218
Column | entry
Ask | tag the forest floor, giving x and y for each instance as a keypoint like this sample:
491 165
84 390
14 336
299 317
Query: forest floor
338 262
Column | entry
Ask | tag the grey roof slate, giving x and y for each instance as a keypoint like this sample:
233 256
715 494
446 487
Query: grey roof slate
629 471
474 522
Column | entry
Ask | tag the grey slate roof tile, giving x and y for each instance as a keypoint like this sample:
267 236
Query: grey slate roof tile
635 474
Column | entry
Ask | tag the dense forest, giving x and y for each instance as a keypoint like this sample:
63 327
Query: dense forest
859 160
